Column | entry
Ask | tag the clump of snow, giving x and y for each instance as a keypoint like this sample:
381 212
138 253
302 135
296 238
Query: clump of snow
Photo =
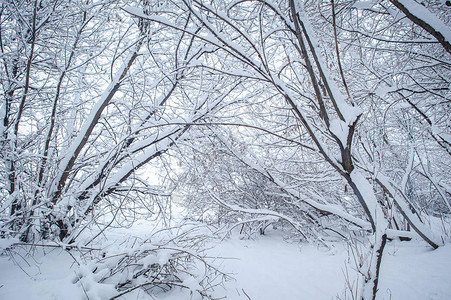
340 130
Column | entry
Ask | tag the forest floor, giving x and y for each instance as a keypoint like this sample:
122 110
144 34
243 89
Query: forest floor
264 268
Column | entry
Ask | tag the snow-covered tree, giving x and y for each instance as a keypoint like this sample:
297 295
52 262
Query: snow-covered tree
331 116
322 80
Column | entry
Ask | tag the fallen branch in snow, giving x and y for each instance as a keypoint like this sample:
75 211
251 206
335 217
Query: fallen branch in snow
253 220
403 208
260 212
62 246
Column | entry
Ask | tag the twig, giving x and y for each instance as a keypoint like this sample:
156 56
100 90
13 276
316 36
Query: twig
66 247
82 286
246 294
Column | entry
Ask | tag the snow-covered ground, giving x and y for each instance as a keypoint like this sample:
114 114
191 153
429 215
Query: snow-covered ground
270 268
414 271
265 268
